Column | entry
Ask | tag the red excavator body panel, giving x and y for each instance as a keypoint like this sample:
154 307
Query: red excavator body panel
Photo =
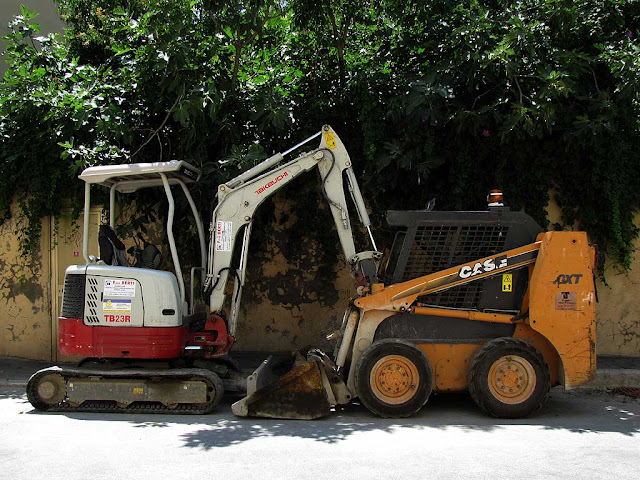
77 339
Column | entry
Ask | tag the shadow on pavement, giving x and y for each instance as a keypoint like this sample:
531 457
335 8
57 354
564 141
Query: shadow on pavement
441 412
579 412
13 393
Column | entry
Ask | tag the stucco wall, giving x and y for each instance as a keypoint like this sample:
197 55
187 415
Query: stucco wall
618 309
25 297
618 321
285 308
288 302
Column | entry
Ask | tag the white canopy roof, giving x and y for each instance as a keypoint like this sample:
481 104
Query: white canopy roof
133 176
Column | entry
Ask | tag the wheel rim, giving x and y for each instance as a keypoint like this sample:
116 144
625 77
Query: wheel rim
512 379
394 379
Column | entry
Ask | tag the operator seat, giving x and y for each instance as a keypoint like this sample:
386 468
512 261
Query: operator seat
150 257
111 248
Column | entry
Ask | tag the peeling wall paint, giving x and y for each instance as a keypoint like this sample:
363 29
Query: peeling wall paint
618 320
289 303
618 308
25 296
286 307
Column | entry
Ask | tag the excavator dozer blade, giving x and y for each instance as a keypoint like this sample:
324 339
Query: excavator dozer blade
298 394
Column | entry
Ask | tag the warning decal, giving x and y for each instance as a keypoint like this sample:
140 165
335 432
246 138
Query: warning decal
507 282
113 305
224 232
119 288
331 140
566 301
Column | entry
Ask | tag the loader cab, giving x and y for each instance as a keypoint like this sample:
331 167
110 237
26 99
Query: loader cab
128 179
428 241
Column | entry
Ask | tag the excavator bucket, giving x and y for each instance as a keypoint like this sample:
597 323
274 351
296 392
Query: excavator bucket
301 393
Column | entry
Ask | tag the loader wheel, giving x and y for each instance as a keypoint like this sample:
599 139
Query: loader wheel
509 378
393 378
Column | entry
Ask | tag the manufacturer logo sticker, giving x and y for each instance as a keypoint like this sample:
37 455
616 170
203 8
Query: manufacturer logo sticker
489 265
279 178
571 279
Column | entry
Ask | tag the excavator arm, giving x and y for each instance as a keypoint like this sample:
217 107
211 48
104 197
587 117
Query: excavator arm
239 199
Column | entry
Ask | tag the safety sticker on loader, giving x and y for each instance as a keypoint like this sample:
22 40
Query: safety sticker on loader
330 139
507 282
566 301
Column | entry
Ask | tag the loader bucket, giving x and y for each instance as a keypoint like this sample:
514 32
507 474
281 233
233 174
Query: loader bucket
298 394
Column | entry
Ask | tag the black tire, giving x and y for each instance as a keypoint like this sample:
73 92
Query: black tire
411 378
509 378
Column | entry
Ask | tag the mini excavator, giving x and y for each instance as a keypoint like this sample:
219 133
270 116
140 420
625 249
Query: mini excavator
477 301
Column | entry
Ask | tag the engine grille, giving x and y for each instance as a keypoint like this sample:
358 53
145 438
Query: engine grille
73 296
431 241
92 301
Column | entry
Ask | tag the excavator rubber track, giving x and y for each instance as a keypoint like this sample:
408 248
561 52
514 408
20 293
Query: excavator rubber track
59 389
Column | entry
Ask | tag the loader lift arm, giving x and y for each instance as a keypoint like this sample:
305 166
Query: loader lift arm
239 198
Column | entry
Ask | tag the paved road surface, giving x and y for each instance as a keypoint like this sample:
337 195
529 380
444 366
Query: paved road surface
578 435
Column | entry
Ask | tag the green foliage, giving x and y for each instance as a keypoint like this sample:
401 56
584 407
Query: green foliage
434 99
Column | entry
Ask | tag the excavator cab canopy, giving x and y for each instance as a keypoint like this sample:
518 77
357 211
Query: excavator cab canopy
128 178
131 177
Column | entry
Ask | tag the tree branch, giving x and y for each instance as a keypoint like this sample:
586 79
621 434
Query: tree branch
339 41
519 89
473 106
595 80
155 132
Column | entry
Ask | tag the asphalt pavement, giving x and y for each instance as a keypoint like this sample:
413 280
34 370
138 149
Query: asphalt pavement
578 434
583 433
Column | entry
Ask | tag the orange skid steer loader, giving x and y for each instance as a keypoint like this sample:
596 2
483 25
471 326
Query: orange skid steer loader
394 351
